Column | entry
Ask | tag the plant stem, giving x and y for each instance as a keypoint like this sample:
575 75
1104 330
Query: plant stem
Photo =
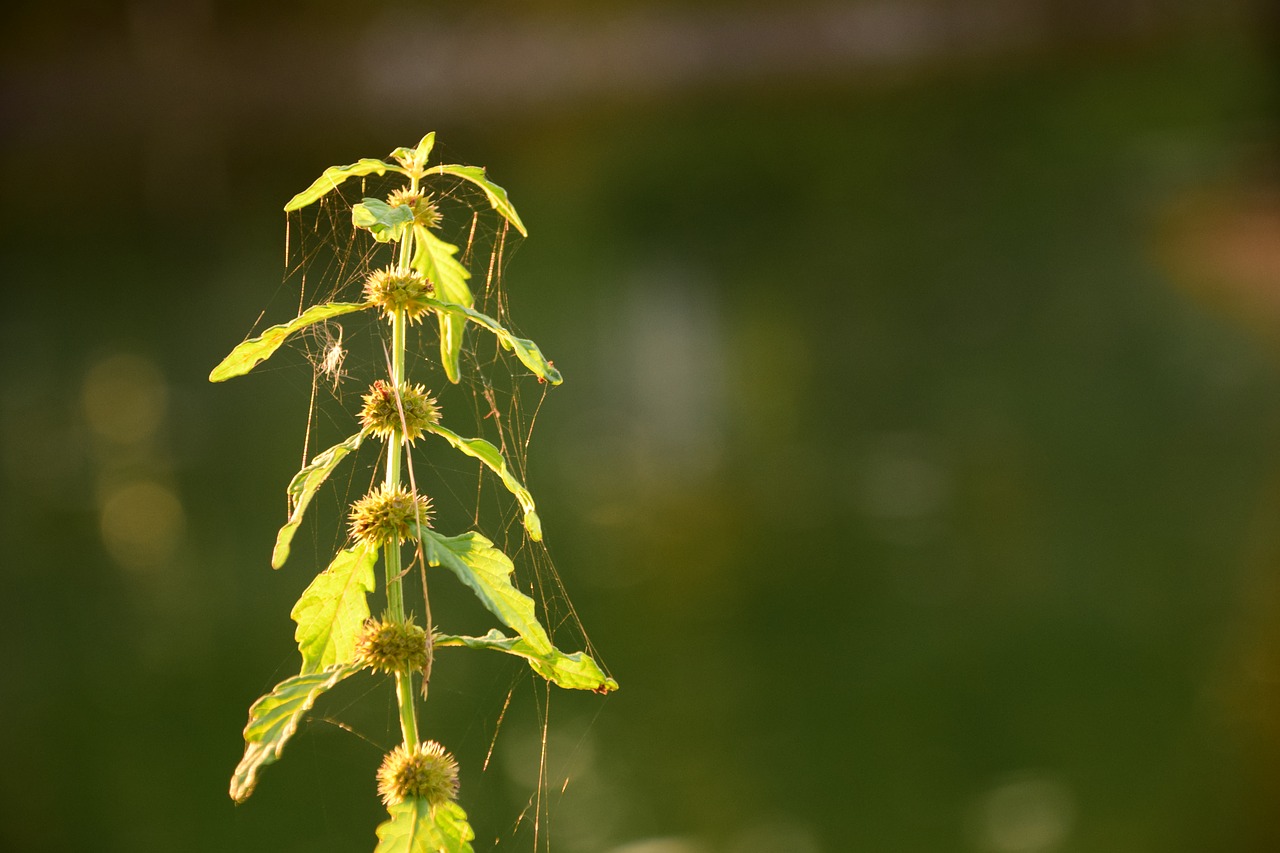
391 553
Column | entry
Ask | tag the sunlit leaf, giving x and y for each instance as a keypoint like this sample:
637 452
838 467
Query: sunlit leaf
333 608
254 351
414 160
434 259
335 175
384 221
272 721
303 488
455 831
492 457
497 195
416 827
575 672
485 569
526 350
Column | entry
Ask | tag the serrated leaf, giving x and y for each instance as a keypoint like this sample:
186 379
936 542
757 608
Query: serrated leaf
384 221
273 719
526 350
254 351
434 259
333 608
481 566
416 827
480 449
335 175
497 195
302 488
575 672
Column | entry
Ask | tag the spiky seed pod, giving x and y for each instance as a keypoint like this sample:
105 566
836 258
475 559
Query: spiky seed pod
381 412
425 212
391 646
399 290
425 770
387 515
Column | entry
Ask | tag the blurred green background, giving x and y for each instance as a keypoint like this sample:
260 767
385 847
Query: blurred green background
916 472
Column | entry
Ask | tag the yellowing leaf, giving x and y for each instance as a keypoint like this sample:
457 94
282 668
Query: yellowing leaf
491 457
273 719
481 566
577 671
333 608
416 827
303 488
254 351
335 175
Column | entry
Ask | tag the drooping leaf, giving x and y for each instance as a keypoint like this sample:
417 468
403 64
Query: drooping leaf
254 351
492 457
332 609
485 569
575 672
302 488
414 160
272 721
384 221
434 259
335 175
497 195
416 827
526 350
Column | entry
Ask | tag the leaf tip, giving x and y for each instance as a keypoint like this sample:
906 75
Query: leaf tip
223 371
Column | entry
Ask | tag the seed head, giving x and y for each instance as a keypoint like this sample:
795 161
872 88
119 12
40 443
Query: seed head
391 646
425 770
386 515
399 290
381 412
425 212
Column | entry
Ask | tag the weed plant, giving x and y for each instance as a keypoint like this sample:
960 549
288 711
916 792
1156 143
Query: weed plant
337 635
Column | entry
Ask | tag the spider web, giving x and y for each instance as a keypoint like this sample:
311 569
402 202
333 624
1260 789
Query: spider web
328 259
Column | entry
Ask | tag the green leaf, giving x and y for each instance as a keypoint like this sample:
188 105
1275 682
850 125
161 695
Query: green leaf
302 488
333 608
414 160
434 259
416 827
254 351
526 350
497 195
384 221
485 569
272 721
490 456
574 672
335 175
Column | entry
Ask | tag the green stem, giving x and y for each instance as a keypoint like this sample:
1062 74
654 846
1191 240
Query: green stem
391 553
395 593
